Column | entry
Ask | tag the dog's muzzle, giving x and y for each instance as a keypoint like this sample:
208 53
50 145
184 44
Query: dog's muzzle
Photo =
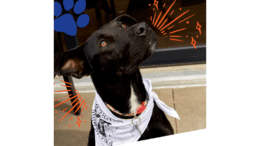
141 29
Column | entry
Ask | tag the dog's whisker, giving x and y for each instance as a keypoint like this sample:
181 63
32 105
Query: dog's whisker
70 110
71 118
56 99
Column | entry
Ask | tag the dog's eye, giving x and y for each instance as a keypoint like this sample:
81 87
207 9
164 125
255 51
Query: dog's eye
123 25
103 43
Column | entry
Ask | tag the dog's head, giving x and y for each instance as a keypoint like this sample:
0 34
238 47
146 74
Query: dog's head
119 46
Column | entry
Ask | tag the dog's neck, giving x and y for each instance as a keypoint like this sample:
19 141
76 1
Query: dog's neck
125 95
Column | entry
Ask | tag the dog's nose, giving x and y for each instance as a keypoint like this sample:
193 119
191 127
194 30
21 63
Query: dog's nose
141 29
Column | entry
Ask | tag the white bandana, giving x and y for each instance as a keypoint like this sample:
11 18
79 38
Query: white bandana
111 130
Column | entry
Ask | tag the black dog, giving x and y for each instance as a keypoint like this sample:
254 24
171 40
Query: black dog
111 56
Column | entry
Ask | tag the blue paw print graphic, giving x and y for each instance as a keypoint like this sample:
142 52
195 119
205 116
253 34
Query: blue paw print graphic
65 23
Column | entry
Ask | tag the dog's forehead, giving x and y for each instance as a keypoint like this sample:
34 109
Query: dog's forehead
110 25
124 17
110 31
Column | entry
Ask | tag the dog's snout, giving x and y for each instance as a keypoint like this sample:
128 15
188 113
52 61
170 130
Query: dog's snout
141 29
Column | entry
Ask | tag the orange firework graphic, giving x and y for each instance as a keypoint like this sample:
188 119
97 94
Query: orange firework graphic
83 107
156 4
198 27
193 42
78 121
160 22
77 98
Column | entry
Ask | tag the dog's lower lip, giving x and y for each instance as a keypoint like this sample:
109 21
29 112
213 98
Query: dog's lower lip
153 46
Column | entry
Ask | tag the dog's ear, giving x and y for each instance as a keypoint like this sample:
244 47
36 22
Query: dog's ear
74 63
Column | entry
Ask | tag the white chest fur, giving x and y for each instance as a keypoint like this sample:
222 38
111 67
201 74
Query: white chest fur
133 102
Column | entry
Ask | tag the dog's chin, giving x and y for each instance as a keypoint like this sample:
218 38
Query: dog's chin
150 50
152 47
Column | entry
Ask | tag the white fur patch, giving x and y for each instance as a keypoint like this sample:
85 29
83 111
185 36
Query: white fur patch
133 102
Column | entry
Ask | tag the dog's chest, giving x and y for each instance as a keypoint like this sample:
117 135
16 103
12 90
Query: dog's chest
133 102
